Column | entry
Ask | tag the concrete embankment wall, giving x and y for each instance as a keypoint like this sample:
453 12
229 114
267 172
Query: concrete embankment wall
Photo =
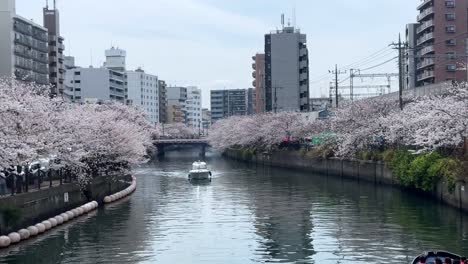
368 171
29 208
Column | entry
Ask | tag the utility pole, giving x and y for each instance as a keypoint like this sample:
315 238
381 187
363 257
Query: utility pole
400 72
351 84
400 47
336 72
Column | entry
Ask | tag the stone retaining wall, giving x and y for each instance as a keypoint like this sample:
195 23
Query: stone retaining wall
39 205
369 171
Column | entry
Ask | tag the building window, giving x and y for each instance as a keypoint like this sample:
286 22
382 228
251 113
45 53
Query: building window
77 73
451 42
450 17
451 55
451 67
450 29
450 3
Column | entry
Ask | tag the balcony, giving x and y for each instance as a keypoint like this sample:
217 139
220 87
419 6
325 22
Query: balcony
303 64
425 75
254 66
425 50
22 52
42 79
425 25
22 28
425 63
23 41
303 76
425 13
302 52
254 84
426 37
61 47
424 4
254 75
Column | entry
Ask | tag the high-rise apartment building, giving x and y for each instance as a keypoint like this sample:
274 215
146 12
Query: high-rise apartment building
162 102
441 46
176 105
259 82
143 92
23 46
286 71
226 103
193 107
56 50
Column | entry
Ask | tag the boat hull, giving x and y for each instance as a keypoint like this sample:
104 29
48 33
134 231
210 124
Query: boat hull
431 256
200 175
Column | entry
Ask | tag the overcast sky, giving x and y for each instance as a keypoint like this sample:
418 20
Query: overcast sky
209 43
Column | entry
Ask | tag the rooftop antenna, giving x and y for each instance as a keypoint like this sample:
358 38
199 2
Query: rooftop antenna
55 5
294 15
282 20
91 55
47 4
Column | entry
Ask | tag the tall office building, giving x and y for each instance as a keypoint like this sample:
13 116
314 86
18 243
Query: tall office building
56 50
227 103
176 105
143 92
162 102
23 46
193 107
410 56
441 46
286 71
259 82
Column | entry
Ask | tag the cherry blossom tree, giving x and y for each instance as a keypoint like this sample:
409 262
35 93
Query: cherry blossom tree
90 139
427 123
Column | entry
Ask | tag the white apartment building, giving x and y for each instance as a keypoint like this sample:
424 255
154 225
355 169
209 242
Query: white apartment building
143 92
194 107
95 84
108 83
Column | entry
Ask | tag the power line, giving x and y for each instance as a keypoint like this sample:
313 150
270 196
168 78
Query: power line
380 64
359 62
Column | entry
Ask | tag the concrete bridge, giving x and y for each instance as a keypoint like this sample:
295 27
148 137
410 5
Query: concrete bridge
162 143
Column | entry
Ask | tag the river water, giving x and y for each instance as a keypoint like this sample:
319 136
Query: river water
250 214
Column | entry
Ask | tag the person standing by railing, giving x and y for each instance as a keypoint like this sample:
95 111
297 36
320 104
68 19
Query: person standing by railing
3 187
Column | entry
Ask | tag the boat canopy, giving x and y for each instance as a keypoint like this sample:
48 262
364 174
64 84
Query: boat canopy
199 165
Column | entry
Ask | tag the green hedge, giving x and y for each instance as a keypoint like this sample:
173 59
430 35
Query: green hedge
424 171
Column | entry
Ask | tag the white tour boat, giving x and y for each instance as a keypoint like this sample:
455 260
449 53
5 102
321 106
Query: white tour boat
199 171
